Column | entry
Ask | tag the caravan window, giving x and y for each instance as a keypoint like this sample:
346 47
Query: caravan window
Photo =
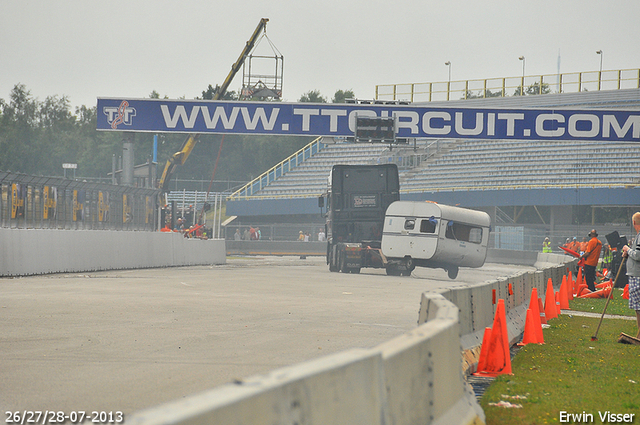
463 232
428 225
409 224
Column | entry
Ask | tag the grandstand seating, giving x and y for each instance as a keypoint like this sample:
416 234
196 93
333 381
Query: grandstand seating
475 165
481 164
310 177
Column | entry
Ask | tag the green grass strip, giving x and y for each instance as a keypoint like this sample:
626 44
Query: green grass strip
571 374
617 306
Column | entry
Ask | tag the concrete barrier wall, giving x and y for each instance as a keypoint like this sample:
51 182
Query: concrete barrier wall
423 377
344 388
276 248
38 251
413 379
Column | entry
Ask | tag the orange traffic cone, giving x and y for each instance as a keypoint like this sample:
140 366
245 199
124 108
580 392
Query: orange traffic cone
625 292
530 335
579 281
569 287
533 306
582 286
604 284
498 359
484 348
584 291
602 293
550 302
564 297
543 316
572 284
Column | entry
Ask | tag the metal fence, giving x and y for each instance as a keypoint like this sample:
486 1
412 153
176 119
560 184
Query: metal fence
189 205
276 232
508 86
37 202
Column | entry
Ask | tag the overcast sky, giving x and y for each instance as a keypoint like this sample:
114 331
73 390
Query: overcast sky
85 49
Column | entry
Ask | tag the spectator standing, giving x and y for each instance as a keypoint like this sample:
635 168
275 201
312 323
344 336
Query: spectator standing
632 253
591 256
546 245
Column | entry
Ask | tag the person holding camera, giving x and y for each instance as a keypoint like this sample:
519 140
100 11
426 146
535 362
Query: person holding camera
591 256
632 254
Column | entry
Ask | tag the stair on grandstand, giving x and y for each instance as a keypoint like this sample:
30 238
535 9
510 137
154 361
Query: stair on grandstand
310 177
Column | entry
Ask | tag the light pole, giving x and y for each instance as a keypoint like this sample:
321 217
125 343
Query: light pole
448 63
522 85
599 52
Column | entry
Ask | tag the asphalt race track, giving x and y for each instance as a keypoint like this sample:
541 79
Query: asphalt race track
132 339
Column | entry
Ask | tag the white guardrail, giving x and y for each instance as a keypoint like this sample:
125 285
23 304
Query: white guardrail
416 378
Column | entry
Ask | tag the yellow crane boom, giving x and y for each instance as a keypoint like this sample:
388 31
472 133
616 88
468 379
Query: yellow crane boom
180 157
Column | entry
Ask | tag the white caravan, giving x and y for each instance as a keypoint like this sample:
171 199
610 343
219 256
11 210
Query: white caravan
428 234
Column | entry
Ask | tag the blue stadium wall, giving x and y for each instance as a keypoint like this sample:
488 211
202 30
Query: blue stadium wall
470 199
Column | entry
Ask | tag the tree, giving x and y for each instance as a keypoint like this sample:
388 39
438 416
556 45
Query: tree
341 95
211 91
533 89
312 96
155 95
481 94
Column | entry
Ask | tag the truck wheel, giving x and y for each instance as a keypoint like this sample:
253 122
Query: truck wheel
342 264
393 271
409 266
452 272
333 267
355 271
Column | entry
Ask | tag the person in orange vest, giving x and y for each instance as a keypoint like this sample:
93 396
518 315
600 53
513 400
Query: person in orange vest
583 246
632 254
573 245
591 256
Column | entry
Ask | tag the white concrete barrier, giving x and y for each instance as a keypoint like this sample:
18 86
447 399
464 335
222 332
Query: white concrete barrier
423 377
39 251
413 379
343 388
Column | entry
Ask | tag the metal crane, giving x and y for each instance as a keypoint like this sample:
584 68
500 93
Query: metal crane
180 157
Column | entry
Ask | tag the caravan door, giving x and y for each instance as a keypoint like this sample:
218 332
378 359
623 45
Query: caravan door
411 229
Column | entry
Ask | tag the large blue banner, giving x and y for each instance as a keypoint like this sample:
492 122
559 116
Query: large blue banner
338 120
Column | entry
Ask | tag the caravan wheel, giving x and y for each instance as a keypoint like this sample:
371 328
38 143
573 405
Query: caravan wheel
410 266
452 272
